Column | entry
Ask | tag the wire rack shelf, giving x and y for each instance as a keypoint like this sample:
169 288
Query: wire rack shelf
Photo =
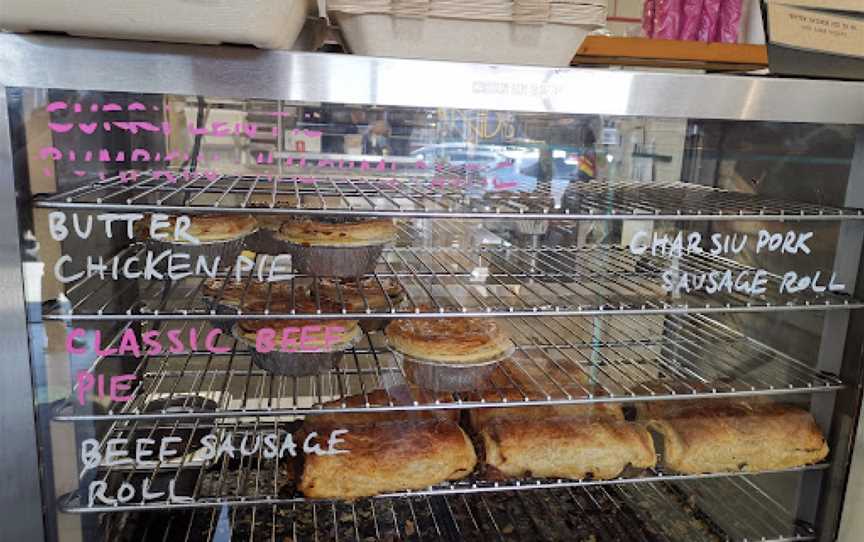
462 282
423 194
733 508
560 360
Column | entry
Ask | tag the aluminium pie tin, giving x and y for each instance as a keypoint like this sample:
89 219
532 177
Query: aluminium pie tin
264 241
333 261
228 251
449 377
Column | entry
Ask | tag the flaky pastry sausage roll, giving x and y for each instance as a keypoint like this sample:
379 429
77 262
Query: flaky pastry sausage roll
729 436
387 457
565 448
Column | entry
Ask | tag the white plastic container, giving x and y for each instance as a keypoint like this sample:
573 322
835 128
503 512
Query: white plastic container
464 32
269 24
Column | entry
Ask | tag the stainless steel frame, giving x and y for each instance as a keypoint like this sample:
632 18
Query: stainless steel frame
233 72
226 72
20 493
844 409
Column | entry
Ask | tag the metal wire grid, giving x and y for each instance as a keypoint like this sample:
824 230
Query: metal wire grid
641 513
424 232
485 281
544 371
426 194
248 479
253 480
557 360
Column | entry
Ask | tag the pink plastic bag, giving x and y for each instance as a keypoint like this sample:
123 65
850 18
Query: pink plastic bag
702 20
709 22
667 19
730 19
648 18
691 12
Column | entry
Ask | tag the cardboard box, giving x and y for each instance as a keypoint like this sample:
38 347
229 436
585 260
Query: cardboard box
816 38
832 5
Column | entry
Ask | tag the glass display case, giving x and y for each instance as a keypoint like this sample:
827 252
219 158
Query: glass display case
284 296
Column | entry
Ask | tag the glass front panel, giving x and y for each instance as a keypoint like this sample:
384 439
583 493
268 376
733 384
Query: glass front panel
265 320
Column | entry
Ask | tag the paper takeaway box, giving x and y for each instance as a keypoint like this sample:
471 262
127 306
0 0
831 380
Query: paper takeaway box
816 38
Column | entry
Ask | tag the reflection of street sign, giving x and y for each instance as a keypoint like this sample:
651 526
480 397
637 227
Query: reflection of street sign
302 141
503 185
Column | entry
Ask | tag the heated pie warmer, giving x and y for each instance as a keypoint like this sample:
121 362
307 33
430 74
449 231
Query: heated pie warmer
518 193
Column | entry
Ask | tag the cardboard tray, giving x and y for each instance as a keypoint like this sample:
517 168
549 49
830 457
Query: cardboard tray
549 44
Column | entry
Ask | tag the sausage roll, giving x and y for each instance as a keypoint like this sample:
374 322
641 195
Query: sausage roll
717 435
565 448
387 457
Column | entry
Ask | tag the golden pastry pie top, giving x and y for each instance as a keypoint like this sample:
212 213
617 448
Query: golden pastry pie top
351 233
449 340
314 327
378 296
206 228
233 292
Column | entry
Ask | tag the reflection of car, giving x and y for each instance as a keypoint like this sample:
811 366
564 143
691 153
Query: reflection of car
562 169
460 154
511 168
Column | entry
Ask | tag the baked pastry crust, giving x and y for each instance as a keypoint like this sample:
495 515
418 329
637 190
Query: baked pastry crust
233 292
272 222
351 293
479 417
391 456
248 329
308 232
457 341
383 398
299 301
733 436
206 228
565 448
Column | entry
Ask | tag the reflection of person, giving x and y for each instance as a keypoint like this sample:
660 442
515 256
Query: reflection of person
342 123
376 140
568 135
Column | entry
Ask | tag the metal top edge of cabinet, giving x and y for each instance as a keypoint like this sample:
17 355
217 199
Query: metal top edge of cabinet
44 61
